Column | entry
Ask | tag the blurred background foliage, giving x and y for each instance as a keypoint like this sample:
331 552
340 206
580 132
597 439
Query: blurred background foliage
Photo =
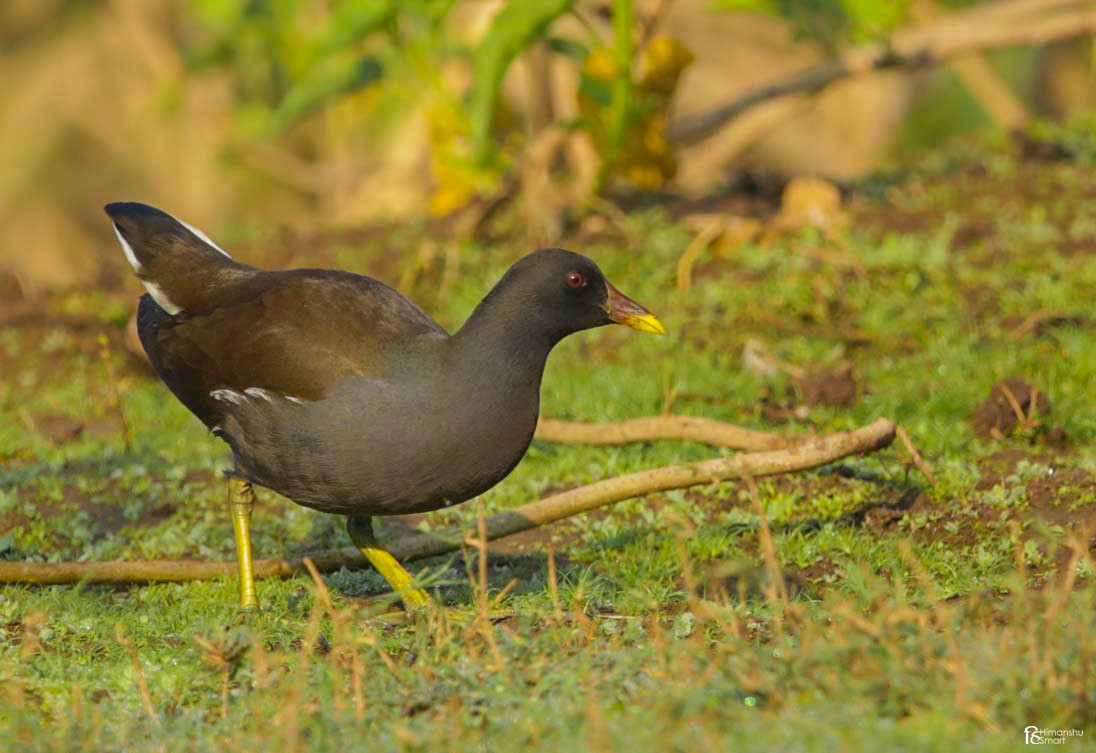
296 117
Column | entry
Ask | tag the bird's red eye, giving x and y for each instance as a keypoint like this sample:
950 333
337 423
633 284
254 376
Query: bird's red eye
576 280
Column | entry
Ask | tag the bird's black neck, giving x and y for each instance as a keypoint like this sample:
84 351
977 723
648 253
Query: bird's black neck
506 333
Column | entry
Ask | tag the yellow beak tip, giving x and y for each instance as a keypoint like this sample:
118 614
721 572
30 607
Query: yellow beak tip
647 323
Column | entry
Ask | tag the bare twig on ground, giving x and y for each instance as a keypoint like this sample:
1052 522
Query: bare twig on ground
915 456
693 251
1017 409
418 545
1045 318
980 79
142 686
995 25
998 101
776 589
691 428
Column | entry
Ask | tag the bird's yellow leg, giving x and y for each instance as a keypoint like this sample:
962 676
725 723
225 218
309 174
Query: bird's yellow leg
241 500
402 582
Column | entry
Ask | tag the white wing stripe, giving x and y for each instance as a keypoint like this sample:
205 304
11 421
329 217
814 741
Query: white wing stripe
238 398
201 235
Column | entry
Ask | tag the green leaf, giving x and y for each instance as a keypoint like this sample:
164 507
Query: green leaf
322 84
870 18
596 89
512 30
823 22
352 22
620 111
829 23
569 47
748 6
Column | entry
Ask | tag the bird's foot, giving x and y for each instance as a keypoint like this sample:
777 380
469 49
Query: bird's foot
245 614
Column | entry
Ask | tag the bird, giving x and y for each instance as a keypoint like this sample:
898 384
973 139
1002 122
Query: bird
339 393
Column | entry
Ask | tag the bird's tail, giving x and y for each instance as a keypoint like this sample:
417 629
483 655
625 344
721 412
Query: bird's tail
180 267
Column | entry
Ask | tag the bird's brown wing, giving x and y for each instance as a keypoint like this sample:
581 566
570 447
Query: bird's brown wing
294 334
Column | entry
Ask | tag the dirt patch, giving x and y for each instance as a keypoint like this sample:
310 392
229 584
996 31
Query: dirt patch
36 340
1045 175
1037 150
1051 497
536 540
1061 496
1077 247
106 519
982 302
972 233
746 580
749 194
836 387
1012 404
1055 494
881 219
1042 322
1000 464
882 518
157 515
58 429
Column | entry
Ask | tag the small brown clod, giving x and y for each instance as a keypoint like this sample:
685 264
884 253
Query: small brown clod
1012 404
836 387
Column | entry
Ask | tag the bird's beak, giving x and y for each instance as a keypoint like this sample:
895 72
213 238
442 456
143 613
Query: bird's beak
623 310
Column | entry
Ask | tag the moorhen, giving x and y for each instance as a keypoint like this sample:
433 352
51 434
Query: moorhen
337 392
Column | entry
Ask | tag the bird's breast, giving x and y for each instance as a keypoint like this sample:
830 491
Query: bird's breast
375 448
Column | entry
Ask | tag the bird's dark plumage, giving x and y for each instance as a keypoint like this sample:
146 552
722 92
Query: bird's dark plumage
338 392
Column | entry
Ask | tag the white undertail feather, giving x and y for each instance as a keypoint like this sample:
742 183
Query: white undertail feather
161 298
128 251
153 289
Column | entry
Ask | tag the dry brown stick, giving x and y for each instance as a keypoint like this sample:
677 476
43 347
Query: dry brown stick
142 686
691 428
418 545
1028 22
980 79
996 99
1036 320
776 586
1017 410
693 251
915 456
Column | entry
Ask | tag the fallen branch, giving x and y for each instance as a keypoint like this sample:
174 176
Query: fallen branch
690 428
995 25
418 545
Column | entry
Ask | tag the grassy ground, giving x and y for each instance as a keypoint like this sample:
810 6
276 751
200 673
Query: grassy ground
904 616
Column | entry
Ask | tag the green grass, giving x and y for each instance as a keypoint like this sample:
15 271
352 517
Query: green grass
915 617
